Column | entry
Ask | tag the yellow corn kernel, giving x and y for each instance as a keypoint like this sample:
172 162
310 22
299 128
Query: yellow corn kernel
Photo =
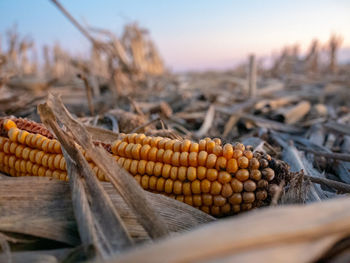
167 156
8 124
13 134
211 160
175 159
202 158
160 154
168 186
185 146
177 187
22 136
210 146
194 147
160 184
196 187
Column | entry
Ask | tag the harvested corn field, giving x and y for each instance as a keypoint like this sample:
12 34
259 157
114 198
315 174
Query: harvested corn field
123 153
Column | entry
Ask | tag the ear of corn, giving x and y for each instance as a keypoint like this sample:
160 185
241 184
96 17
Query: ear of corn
27 125
218 179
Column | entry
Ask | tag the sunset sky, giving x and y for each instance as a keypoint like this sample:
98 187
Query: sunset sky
195 35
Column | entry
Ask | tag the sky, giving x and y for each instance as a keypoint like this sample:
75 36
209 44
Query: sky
190 34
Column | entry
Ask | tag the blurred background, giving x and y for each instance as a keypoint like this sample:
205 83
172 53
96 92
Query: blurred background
193 67
190 35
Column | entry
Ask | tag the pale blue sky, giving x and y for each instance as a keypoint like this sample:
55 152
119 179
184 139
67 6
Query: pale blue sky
189 34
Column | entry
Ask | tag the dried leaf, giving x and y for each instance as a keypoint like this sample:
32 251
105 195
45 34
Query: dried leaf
45 205
128 188
98 221
259 236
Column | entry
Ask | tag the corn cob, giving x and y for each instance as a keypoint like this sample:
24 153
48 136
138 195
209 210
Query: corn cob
218 179
35 128
27 125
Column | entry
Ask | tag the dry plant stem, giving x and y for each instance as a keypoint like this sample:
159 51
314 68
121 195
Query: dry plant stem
73 21
177 126
291 115
292 156
135 106
106 231
339 186
274 125
190 115
164 127
237 108
342 187
235 112
116 45
5 247
271 89
252 77
115 125
230 124
88 90
337 156
128 188
137 129
338 127
341 167
277 194
208 121
268 105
